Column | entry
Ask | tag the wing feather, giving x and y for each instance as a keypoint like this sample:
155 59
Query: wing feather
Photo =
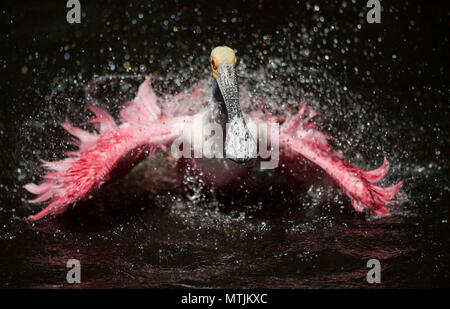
101 155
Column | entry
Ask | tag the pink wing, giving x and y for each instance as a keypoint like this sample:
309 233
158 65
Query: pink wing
106 154
299 138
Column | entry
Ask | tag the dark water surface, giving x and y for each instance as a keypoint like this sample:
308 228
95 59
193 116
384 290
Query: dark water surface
382 90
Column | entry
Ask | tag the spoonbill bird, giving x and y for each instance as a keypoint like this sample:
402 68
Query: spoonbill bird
150 124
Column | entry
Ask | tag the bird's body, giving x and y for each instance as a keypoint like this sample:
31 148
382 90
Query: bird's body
150 124
214 169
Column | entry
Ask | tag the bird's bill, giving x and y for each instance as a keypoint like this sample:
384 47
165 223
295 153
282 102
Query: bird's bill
226 79
240 146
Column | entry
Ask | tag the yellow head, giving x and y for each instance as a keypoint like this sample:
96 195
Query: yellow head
221 55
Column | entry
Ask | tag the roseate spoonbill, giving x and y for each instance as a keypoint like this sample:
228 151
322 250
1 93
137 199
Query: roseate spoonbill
150 124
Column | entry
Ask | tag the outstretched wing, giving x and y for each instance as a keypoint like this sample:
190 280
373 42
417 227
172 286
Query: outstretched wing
110 152
298 138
